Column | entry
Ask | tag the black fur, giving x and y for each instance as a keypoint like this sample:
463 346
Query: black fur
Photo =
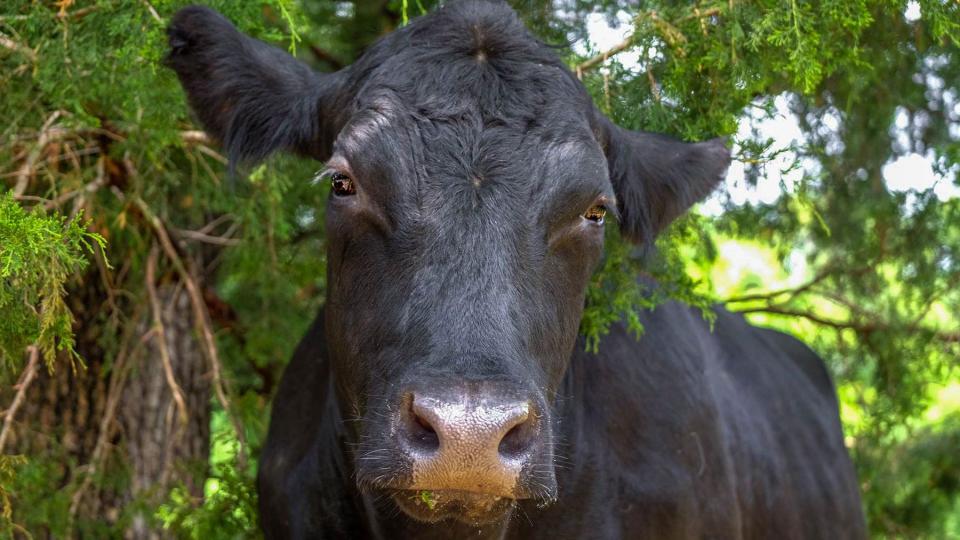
463 260
253 97
658 178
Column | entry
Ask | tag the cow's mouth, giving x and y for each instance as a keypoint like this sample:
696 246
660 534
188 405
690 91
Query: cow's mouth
467 507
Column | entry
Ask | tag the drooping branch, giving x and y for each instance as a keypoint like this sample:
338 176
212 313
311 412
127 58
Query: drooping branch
203 234
160 334
25 379
202 320
208 239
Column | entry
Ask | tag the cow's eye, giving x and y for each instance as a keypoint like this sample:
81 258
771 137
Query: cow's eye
342 185
596 213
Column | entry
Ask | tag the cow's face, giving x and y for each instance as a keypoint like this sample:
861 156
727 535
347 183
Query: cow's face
459 252
471 181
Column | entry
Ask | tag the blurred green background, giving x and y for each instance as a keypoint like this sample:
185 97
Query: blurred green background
149 301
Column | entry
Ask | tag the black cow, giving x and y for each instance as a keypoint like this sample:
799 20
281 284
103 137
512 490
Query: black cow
443 392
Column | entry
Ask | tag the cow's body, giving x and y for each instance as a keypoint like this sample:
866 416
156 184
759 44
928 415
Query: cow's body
684 433
444 393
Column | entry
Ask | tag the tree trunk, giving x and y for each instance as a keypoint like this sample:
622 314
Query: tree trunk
111 433
162 450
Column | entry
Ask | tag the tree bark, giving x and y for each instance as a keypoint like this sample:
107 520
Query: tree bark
146 449
162 451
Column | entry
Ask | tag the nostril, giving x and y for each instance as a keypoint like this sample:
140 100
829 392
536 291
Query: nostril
420 432
424 423
518 439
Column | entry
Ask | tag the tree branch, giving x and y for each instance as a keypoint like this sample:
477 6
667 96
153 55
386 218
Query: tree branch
25 379
861 328
826 272
12 45
201 140
206 238
202 320
195 136
628 42
829 269
161 335
49 134
152 11
77 13
840 325
602 57
88 189
45 137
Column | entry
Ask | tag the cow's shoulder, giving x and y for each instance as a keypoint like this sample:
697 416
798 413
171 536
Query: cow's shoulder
300 471
803 357
694 413
782 406
645 431
771 350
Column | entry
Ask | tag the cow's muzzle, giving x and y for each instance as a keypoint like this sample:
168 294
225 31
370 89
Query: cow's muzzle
471 451
467 442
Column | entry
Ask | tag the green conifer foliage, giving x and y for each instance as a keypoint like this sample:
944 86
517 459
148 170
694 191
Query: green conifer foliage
38 254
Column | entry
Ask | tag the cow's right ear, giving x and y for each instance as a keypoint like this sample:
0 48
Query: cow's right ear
657 178
256 99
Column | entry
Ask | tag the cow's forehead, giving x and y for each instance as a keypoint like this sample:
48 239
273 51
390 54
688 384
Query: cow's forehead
464 97
421 148
561 130
462 65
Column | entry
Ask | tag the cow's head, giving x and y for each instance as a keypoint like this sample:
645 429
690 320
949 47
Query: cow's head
471 181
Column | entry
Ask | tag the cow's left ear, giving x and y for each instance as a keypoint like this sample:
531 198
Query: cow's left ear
256 99
657 178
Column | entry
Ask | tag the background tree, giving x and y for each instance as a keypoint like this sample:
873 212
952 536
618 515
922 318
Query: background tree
149 301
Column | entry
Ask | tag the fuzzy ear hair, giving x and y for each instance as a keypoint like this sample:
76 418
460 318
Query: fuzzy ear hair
254 98
657 178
